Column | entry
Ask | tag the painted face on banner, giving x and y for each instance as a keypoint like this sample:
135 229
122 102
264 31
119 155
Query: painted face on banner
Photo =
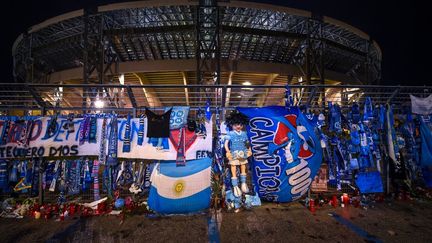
286 152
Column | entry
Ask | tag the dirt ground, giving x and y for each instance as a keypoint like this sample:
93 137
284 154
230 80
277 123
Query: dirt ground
401 221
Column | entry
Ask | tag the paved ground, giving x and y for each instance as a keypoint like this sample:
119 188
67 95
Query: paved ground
402 221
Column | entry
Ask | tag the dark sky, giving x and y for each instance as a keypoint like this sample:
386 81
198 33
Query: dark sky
399 28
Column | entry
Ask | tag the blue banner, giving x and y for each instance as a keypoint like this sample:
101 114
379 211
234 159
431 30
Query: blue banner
286 152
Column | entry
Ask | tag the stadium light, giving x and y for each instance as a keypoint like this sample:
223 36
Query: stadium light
121 79
99 103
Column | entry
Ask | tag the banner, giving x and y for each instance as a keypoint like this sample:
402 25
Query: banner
286 152
65 142
421 106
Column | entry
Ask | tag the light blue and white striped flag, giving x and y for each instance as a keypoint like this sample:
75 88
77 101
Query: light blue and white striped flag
180 190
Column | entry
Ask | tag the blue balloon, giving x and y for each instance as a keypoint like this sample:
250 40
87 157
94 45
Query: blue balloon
286 152
119 203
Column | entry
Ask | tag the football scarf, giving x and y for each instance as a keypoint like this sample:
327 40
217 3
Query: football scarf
87 175
23 183
35 177
368 110
127 137
137 184
13 176
218 159
335 118
355 113
52 127
5 132
21 128
408 130
3 176
207 110
95 175
288 98
29 131
124 175
181 158
102 145
355 139
87 125
56 171
83 135
112 145
92 130
141 130
382 117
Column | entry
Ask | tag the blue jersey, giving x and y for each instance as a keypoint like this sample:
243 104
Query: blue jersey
238 142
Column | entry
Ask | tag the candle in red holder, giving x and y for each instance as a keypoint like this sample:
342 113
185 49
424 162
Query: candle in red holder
334 202
312 205
72 209
345 198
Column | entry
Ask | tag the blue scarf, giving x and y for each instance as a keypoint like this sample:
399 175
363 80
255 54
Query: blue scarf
355 113
112 145
335 118
288 98
92 130
87 178
207 110
52 127
127 137
83 135
102 148
368 110
5 133
3 176
141 130
95 175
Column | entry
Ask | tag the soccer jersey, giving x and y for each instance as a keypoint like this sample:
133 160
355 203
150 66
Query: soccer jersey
238 141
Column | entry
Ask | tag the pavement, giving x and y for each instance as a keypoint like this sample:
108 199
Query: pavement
396 221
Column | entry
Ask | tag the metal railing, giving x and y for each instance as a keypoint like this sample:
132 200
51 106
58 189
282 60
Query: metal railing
132 98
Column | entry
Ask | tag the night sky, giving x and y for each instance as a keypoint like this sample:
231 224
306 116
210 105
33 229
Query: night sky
400 28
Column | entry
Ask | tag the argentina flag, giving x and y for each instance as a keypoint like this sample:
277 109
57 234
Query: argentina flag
180 189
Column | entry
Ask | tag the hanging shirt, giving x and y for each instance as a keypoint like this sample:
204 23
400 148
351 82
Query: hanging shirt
158 125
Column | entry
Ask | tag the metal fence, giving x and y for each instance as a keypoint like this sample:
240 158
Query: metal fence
46 99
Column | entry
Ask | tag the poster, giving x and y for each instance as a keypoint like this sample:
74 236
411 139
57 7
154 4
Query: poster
319 183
